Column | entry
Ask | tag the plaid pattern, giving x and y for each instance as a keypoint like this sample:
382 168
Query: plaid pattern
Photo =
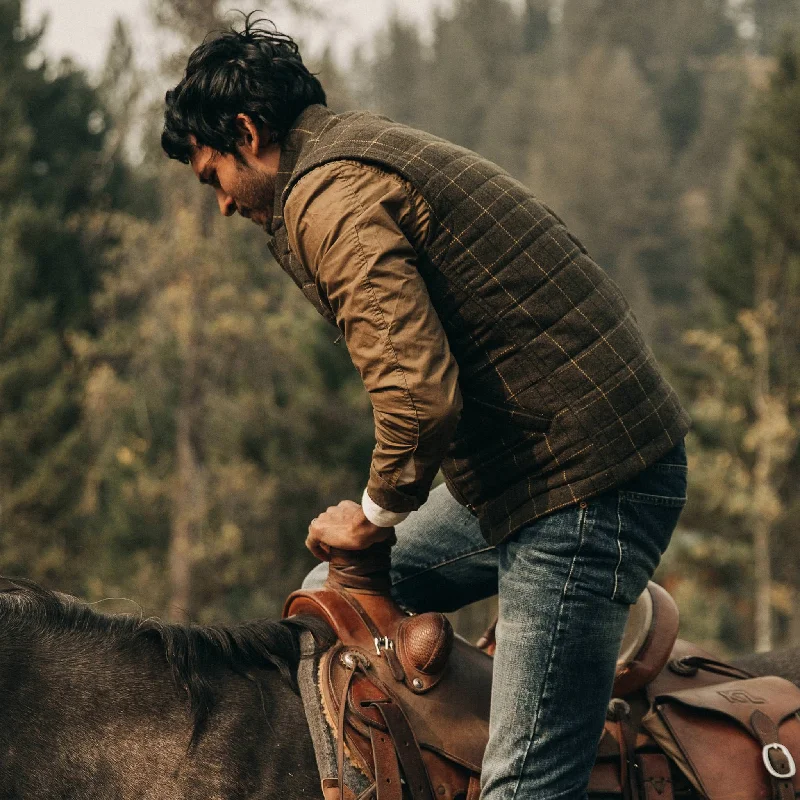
562 397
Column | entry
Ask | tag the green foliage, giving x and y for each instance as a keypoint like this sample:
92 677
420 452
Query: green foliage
398 76
48 154
172 414
338 92
611 102
218 412
579 167
772 20
746 391
536 25
760 240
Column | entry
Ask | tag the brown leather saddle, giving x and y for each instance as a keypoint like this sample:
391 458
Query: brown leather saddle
404 695
409 703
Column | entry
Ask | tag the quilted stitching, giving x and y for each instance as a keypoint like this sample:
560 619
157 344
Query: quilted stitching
534 324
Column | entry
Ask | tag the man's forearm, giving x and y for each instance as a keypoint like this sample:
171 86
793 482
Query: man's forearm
357 230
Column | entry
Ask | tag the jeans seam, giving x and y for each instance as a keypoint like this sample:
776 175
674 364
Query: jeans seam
619 548
444 564
551 655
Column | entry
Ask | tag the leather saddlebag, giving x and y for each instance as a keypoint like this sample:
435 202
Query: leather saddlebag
737 740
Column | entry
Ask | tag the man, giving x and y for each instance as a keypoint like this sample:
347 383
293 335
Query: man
492 347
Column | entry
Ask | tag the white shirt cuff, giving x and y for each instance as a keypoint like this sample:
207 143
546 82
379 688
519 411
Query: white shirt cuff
380 516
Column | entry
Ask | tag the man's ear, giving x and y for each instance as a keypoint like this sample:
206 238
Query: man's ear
250 137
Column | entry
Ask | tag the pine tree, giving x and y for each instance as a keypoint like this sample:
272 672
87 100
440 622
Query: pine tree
221 416
536 25
747 405
399 75
474 54
600 159
518 109
691 60
49 149
337 91
772 19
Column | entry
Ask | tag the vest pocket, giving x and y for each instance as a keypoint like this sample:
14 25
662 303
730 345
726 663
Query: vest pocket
515 416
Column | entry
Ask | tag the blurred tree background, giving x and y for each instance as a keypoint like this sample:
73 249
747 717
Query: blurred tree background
173 414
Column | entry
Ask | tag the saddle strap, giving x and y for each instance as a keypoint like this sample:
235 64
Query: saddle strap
387 770
628 776
391 657
398 743
619 715
351 671
656 777
408 751
689 665
766 732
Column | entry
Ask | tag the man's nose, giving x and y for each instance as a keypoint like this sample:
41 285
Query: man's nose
226 205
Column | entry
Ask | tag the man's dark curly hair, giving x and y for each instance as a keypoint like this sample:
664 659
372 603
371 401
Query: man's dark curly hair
256 71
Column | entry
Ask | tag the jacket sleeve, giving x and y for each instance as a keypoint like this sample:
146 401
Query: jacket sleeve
353 225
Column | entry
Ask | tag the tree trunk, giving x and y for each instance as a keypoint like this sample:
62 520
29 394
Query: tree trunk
794 621
762 469
763 585
181 538
188 511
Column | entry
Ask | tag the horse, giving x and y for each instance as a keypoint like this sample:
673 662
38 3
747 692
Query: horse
115 707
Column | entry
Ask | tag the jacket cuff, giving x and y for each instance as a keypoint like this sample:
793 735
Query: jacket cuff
380 516
392 498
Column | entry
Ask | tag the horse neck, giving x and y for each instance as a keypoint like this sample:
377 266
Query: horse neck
97 723
783 663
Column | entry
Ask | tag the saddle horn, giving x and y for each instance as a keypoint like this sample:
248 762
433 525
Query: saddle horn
364 571
424 641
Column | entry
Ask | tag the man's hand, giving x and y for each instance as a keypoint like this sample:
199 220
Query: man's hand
343 526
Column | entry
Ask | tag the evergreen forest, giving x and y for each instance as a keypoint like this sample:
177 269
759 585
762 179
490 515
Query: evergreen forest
173 412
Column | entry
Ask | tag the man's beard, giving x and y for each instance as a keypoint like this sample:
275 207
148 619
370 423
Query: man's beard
255 195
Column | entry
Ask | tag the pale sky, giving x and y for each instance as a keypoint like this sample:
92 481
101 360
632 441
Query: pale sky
81 28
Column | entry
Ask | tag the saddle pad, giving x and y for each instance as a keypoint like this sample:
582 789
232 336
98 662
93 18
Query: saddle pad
322 735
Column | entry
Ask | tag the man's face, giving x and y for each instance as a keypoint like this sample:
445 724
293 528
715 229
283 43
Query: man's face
246 186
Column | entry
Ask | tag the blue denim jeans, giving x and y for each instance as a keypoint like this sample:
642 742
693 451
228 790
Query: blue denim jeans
564 585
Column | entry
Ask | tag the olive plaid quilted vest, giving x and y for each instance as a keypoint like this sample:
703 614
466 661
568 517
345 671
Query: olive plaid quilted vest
562 397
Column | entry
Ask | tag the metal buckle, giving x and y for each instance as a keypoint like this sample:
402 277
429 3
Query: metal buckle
768 764
383 643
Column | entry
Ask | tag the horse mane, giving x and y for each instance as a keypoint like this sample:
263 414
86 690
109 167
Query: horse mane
196 654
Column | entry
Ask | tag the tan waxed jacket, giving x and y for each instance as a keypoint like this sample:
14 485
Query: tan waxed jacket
358 228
